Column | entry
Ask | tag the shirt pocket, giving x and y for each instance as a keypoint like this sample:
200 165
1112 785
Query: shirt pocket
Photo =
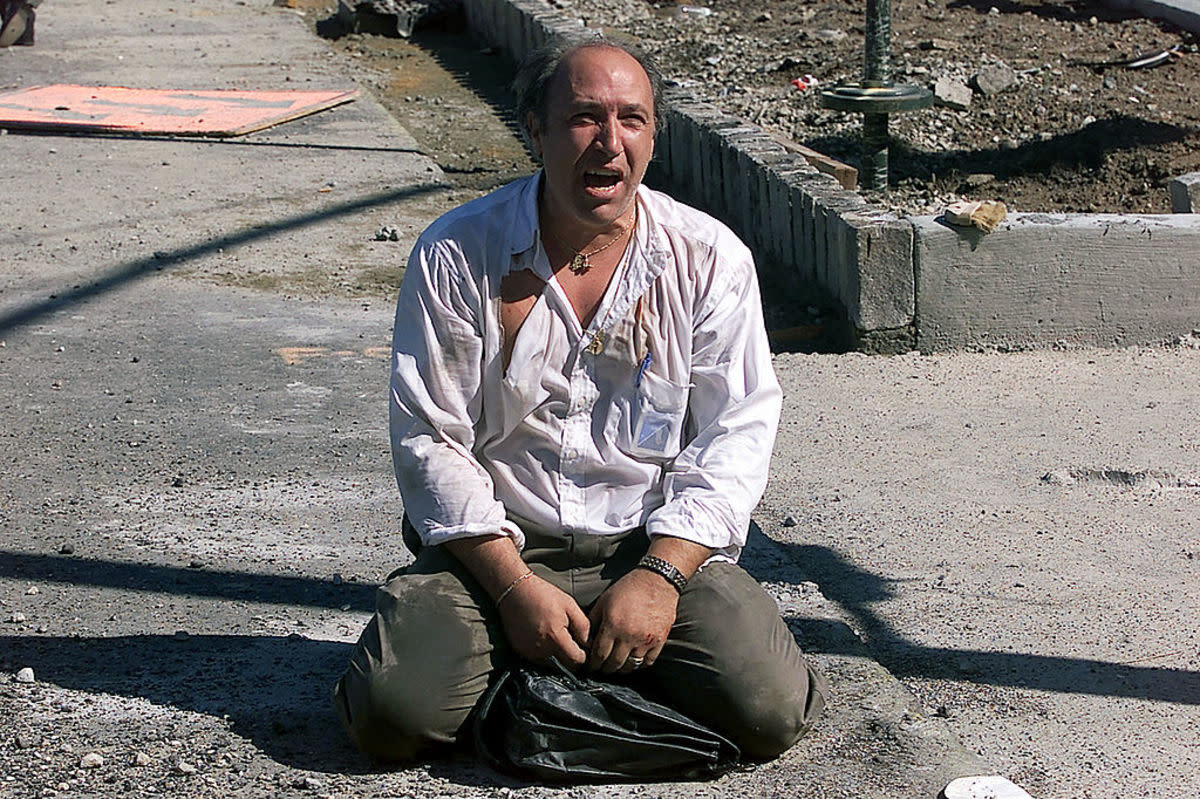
651 424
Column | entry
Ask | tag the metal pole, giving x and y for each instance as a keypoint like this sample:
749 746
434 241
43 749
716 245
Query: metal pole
877 56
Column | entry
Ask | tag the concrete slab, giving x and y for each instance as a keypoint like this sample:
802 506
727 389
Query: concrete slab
1036 281
1185 193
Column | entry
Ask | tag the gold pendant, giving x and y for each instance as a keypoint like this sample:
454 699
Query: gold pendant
580 264
596 345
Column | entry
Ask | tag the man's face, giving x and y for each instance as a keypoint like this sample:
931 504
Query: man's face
597 138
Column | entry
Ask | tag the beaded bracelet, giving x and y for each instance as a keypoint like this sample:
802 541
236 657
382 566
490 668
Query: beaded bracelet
513 585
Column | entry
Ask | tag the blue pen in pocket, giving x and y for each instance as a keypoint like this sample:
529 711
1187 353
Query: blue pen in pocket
642 370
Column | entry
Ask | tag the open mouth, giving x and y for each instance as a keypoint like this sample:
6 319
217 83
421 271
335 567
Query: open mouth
601 178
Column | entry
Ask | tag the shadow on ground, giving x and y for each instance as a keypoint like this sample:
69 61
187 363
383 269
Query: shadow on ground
275 691
117 276
855 590
1080 151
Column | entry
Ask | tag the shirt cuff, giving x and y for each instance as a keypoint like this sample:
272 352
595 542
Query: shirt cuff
710 523
439 535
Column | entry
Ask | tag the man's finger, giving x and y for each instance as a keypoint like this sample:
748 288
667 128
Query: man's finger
569 651
578 625
601 647
617 657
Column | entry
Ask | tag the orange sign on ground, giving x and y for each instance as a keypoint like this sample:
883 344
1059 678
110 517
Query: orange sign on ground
116 109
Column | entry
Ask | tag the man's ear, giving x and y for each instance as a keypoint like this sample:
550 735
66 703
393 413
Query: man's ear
534 126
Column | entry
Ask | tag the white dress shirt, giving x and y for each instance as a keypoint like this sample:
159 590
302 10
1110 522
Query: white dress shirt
662 412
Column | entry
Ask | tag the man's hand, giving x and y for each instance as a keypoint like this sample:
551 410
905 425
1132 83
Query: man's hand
631 619
542 621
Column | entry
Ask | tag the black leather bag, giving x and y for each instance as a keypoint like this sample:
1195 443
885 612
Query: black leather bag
551 724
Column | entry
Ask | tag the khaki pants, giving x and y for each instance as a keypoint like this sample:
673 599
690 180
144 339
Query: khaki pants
426 656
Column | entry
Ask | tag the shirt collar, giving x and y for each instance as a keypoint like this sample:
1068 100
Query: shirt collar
524 227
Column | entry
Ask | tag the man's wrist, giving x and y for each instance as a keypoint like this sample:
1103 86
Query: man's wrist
665 569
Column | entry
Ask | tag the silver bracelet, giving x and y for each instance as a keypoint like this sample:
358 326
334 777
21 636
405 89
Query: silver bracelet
665 569
513 585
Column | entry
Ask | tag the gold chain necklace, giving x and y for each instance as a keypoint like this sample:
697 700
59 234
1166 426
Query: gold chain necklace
581 262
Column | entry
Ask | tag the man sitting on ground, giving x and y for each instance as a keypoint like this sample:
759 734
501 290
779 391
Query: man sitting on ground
582 414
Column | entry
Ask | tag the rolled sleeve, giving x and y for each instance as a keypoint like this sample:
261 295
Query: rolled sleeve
435 399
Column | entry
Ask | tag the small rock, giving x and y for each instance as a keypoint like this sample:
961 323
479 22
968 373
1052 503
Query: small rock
984 787
17 618
181 635
994 78
91 760
951 94
763 17
306 783
790 521
936 44
337 578
177 482
32 590
1109 82
831 35
184 767
195 563
141 759
26 740
66 549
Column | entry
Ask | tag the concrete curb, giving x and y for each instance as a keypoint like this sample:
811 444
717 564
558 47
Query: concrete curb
887 273
1184 13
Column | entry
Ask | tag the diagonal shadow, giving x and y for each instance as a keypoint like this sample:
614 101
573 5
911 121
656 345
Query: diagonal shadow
855 590
1081 150
275 691
242 586
134 270
210 142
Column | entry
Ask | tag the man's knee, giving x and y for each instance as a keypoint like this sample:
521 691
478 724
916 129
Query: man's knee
417 670
767 718
759 689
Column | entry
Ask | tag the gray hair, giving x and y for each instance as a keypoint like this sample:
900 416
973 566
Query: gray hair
537 70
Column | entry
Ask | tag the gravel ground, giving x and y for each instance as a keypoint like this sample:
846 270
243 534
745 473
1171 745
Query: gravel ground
1053 135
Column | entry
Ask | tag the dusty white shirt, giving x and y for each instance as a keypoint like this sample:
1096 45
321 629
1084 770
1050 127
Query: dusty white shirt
662 412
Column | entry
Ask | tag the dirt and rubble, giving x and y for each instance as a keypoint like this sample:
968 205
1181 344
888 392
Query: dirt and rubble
1048 132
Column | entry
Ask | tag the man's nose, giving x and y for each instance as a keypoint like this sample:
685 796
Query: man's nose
609 137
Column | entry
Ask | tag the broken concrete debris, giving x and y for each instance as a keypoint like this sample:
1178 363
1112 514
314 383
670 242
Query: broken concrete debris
392 17
952 94
994 78
985 215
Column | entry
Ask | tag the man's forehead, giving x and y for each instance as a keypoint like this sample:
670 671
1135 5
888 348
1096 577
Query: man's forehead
596 61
